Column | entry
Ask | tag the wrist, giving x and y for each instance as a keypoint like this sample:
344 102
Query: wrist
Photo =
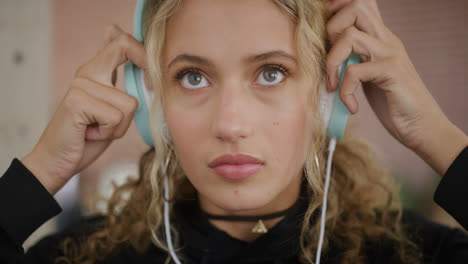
442 143
38 168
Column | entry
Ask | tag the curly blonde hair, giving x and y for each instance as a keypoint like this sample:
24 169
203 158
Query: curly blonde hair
362 202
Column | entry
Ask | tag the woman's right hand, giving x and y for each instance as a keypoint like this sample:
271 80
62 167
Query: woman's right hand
91 115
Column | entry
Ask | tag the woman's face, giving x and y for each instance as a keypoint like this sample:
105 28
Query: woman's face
236 99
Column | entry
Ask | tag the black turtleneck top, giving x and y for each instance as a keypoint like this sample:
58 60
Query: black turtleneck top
25 205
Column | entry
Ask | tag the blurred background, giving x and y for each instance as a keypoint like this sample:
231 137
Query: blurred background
43 42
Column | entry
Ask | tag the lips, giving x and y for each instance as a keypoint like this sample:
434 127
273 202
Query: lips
236 166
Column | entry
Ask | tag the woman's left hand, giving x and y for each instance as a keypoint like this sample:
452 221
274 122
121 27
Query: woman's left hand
391 84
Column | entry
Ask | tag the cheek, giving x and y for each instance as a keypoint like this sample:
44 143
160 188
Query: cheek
187 131
288 137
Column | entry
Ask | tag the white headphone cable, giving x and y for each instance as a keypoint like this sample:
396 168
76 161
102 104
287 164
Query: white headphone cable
331 150
166 221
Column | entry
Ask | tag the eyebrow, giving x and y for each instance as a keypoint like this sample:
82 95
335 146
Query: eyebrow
253 58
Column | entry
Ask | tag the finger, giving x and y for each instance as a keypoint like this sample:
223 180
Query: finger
98 117
352 41
122 49
360 14
334 6
112 32
107 119
356 74
126 103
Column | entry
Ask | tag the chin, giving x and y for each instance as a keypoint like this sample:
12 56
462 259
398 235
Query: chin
241 198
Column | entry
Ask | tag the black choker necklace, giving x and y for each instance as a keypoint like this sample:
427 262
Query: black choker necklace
260 226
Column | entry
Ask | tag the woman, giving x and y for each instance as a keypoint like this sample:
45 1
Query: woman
223 91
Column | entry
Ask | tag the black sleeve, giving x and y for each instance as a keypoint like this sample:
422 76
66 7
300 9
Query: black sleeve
25 205
438 243
452 192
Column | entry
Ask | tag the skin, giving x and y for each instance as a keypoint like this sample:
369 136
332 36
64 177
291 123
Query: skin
391 84
235 109
234 114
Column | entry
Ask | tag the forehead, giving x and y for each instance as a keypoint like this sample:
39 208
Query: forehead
228 29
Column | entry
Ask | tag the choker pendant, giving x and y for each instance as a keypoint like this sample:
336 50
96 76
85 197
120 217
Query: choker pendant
259 228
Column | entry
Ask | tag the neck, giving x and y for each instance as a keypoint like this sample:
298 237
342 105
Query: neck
243 230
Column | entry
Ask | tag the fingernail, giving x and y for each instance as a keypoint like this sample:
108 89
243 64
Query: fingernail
335 79
329 81
352 103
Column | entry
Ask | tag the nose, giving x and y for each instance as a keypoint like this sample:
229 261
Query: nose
233 115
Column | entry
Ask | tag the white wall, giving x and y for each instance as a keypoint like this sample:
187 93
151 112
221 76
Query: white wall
25 44
25 92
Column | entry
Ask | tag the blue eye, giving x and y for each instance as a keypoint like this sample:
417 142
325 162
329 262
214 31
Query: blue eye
192 79
272 75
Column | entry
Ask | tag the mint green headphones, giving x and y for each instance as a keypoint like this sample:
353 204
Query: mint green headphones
334 112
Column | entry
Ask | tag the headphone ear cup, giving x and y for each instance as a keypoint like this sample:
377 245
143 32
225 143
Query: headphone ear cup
135 82
335 113
135 86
